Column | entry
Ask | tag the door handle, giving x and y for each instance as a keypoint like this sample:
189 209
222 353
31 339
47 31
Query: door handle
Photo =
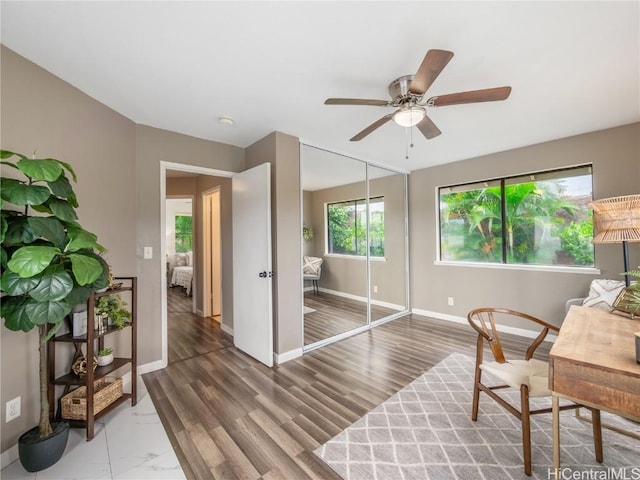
262 274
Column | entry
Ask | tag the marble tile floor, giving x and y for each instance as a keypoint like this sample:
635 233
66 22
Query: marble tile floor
129 444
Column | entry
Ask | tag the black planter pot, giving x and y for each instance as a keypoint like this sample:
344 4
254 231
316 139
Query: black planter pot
39 453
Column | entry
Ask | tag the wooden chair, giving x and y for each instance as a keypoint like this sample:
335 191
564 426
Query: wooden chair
530 376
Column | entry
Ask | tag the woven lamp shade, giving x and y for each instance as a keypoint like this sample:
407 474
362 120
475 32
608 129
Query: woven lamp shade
616 219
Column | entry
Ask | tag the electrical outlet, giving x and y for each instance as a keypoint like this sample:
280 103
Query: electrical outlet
13 409
375 289
450 301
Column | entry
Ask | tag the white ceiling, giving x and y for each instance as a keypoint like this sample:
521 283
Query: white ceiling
574 67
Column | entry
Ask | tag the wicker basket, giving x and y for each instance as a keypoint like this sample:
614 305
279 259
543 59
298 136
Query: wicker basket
74 404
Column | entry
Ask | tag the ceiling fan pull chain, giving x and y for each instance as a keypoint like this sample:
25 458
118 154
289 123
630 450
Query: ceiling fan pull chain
406 145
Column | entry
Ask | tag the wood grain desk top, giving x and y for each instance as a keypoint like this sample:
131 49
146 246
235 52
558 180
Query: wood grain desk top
593 360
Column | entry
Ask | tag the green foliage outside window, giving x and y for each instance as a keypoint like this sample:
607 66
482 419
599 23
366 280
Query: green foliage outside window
545 222
184 233
347 223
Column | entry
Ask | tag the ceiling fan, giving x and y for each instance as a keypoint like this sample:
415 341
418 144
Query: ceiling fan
408 95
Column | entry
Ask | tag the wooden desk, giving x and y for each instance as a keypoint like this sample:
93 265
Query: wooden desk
593 362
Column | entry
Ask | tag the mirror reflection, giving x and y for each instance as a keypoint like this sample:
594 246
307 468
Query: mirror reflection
334 263
387 239
354 261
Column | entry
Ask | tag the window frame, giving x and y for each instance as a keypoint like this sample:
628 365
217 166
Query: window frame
503 264
355 202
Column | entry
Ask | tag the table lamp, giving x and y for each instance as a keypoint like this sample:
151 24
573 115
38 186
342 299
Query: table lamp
617 220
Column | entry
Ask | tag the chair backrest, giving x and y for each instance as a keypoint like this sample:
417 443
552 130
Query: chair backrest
483 321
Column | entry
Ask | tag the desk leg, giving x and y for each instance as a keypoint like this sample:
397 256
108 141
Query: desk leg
555 408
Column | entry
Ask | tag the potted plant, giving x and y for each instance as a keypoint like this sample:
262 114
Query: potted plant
105 356
114 307
49 264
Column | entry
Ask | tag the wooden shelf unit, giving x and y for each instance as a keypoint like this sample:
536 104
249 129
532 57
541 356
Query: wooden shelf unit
89 340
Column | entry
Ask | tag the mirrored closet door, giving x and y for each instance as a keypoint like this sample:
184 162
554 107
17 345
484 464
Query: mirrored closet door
354 245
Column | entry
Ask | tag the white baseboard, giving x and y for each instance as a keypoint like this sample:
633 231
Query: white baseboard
226 329
9 456
463 320
357 298
280 358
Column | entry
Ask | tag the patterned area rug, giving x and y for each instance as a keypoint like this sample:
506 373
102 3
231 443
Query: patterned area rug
425 432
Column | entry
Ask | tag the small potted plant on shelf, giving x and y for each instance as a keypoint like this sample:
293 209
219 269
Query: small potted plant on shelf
105 356
114 307
49 264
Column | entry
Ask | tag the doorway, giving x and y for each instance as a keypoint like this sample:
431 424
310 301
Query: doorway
212 255
196 180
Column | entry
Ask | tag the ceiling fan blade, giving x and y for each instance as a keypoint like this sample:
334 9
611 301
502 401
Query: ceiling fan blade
356 101
428 128
474 96
433 63
377 124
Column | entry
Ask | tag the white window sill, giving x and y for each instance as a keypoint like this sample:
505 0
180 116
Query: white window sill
355 257
535 268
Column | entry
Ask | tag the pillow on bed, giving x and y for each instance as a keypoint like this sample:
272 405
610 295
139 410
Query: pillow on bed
602 293
181 260
189 256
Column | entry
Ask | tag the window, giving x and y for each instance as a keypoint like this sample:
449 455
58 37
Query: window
347 227
535 219
184 233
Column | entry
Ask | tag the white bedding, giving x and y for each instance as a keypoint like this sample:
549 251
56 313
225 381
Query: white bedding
182 276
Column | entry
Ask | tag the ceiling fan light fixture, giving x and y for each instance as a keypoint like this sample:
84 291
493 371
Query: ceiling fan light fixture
409 116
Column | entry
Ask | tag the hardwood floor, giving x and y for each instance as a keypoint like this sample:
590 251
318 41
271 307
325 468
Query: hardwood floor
190 335
230 417
334 315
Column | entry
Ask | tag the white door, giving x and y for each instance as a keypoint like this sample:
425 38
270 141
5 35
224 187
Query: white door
252 275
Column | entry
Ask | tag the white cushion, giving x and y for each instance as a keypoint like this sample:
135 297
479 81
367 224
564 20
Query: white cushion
311 265
602 293
533 373
181 259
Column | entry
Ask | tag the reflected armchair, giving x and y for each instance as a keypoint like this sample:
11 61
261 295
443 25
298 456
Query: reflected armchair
311 270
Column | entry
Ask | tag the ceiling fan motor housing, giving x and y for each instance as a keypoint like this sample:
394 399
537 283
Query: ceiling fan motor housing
399 90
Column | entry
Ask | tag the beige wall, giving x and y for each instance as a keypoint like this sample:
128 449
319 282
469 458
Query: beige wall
41 112
283 152
153 146
615 155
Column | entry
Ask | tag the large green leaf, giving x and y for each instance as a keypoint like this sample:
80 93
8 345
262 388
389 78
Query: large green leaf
32 260
68 167
85 269
81 239
42 313
55 284
40 170
15 314
19 232
78 296
19 193
62 209
3 228
50 228
14 284
62 188
8 154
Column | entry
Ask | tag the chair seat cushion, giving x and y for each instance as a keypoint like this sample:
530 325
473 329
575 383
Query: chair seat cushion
533 373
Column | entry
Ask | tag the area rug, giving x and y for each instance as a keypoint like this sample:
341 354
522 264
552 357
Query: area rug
309 310
425 432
